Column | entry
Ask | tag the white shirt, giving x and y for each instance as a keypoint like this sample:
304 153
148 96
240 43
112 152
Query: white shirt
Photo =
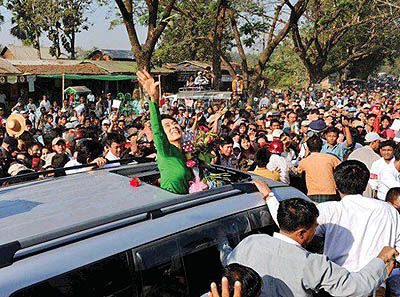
355 228
80 108
91 98
285 238
376 169
111 157
388 178
278 162
46 104
72 163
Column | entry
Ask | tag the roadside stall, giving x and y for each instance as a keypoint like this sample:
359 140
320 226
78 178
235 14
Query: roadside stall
72 94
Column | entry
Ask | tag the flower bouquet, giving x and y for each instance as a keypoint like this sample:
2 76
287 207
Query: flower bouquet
199 153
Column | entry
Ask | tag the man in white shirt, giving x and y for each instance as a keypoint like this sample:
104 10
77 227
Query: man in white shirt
368 155
386 162
91 97
389 176
45 103
114 143
288 270
355 228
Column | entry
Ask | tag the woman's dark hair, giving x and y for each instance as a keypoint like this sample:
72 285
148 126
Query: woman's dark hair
393 194
351 177
314 144
296 213
371 115
168 117
262 157
390 143
250 280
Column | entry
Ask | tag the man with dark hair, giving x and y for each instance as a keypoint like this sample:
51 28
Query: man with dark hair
318 168
393 198
354 227
225 153
384 164
114 144
262 158
287 269
389 176
331 145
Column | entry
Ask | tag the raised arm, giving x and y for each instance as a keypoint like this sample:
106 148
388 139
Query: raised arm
159 137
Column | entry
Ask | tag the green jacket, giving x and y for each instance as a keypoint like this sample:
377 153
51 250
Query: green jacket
175 175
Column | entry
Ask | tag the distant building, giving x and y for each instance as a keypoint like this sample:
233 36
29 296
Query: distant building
111 55
28 53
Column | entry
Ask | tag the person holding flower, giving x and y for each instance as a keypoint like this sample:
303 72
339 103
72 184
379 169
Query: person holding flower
167 137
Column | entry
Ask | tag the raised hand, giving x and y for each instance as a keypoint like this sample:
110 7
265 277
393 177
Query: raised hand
148 83
225 289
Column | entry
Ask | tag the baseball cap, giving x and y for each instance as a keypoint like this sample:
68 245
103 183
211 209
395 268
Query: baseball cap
57 140
305 123
373 136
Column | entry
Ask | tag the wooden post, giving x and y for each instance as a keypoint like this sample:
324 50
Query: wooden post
159 89
63 88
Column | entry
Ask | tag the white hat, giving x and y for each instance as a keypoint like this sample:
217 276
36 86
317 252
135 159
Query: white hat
237 145
373 136
277 133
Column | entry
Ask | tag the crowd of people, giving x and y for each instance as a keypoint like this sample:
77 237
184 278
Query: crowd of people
339 146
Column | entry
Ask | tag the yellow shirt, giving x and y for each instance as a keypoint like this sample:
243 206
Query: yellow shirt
264 172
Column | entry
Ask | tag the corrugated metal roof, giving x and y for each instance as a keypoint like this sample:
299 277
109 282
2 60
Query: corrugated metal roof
114 66
8 68
119 54
59 69
30 53
196 65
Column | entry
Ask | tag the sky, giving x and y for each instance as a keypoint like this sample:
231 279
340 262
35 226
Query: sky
98 34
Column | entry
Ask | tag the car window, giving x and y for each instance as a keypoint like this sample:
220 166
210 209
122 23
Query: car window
161 270
203 250
109 277
261 221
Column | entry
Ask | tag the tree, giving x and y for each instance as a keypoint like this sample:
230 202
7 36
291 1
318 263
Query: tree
155 14
188 37
209 20
335 34
27 21
285 69
73 21
276 27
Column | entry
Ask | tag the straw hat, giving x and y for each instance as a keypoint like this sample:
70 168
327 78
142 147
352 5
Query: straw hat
15 125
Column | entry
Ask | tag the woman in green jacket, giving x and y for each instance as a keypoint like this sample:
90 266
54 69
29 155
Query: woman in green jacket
167 137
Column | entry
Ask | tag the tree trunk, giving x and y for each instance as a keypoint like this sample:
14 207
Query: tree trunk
218 34
38 46
240 48
73 44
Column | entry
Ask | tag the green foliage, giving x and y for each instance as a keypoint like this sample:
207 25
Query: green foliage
188 38
347 34
59 19
27 20
285 69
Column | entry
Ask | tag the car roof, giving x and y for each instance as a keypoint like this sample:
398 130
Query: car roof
41 211
40 266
